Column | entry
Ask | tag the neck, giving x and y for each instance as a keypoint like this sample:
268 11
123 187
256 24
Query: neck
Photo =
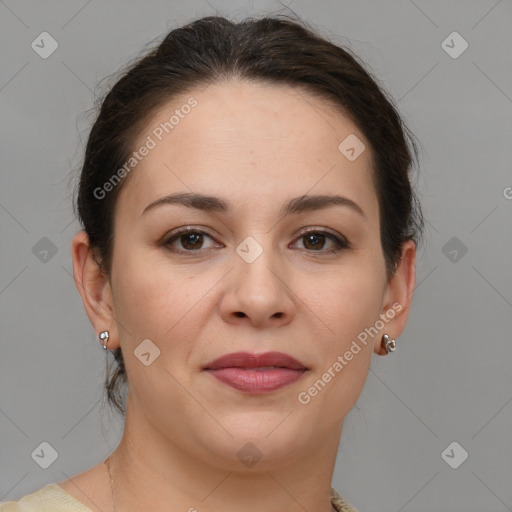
149 471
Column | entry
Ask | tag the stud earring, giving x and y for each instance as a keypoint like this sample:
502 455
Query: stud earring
104 336
388 343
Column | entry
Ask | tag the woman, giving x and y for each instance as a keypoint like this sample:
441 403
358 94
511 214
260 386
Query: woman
249 242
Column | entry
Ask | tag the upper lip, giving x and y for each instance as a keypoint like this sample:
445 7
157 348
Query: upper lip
248 360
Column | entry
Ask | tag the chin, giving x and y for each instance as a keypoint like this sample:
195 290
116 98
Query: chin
252 444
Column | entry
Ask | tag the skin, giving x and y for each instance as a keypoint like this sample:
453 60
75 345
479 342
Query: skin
256 145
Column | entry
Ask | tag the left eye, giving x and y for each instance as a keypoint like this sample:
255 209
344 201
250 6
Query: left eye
316 238
314 241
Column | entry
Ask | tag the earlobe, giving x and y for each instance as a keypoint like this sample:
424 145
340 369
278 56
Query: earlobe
398 297
93 285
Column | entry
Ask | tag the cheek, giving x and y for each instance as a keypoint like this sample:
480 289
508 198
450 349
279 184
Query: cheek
347 299
350 303
160 301
360 303
156 302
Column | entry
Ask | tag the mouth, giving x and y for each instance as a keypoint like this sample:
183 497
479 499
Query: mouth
256 373
247 360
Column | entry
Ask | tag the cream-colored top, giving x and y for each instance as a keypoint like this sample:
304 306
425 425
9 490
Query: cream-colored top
52 498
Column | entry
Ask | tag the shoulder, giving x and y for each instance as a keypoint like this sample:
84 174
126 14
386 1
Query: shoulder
338 502
53 498
50 498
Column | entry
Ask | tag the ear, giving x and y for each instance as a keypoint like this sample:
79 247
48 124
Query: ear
94 287
398 296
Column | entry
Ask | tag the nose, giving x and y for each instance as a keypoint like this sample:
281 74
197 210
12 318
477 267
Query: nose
258 293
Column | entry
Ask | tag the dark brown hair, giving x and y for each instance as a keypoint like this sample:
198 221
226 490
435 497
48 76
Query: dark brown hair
278 50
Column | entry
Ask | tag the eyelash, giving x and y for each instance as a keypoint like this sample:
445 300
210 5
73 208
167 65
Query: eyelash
340 242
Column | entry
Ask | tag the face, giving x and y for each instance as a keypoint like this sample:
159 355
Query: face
252 276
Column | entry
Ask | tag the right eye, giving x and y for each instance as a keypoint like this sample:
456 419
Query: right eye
190 239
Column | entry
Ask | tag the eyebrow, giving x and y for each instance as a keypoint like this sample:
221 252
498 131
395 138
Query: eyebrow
293 206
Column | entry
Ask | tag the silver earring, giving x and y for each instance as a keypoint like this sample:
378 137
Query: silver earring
388 343
104 336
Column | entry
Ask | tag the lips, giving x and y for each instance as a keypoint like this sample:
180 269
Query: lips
256 373
247 360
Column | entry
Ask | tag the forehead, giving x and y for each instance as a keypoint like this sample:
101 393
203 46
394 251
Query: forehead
249 142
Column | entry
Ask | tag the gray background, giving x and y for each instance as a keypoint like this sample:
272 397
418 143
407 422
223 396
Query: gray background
449 380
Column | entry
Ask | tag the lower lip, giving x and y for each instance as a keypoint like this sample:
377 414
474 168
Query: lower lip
257 381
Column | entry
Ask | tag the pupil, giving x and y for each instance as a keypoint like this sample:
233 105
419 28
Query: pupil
195 237
315 239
